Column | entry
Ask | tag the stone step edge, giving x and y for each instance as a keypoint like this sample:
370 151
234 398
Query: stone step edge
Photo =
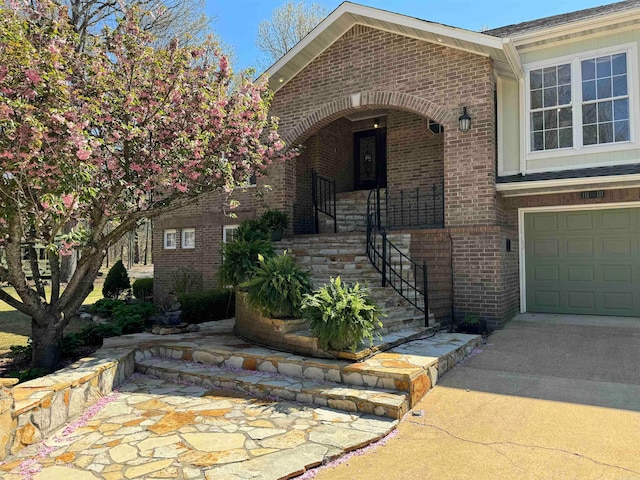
354 399
283 363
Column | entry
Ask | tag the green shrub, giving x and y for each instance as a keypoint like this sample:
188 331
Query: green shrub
105 306
70 345
123 317
253 230
274 220
207 306
240 259
21 352
277 287
132 318
143 289
341 316
27 374
117 281
94 333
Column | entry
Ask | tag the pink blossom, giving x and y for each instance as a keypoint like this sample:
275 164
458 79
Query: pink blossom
67 200
33 76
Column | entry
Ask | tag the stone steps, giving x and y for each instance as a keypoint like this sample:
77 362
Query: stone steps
352 398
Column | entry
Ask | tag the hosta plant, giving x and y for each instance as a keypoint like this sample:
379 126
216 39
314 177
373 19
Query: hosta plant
342 316
278 286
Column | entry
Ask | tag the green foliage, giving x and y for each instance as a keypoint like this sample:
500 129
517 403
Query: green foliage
70 345
207 306
240 259
94 333
253 230
186 280
27 374
274 219
105 306
21 352
143 289
117 281
341 316
123 317
277 287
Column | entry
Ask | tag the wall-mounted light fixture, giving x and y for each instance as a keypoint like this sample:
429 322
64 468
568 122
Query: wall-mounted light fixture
376 123
464 121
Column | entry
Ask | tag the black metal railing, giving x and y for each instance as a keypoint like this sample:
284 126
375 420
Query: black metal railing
324 200
413 208
398 270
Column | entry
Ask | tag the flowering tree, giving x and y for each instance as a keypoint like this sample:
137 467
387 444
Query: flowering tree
114 133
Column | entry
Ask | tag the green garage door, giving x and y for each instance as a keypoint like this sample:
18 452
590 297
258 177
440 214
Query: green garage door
585 262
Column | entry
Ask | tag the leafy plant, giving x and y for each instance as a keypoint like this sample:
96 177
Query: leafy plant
21 352
240 259
274 219
277 287
143 289
342 315
253 230
105 306
27 374
70 344
207 306
117 281
94 333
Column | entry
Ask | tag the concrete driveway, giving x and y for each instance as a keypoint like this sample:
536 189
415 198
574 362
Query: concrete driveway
549 397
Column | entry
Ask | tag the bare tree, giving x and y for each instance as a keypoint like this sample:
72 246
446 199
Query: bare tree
166 19
288 24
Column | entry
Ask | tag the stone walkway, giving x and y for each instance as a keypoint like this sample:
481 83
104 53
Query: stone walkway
154 428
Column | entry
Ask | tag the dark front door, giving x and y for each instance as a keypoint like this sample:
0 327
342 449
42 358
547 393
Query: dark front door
370 155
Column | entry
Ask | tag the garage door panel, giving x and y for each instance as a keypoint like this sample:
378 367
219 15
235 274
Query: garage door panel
580 273
616 246
546 248
583 262
617 273
579 221
580 247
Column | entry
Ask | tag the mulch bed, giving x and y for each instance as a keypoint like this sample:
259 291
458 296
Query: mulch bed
10 365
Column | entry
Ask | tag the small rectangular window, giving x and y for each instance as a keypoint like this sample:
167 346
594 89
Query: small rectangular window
170 239
229 233
188 238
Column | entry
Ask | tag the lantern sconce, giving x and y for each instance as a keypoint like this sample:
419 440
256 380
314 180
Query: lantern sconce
376 123
464 121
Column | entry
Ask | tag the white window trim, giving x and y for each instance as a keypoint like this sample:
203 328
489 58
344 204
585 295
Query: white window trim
165 234
561 208
224 231
576 95
184 243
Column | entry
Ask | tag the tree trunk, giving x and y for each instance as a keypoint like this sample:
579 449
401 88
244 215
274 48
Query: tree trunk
46 343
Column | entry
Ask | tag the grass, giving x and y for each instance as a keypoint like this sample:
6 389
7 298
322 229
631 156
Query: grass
15 327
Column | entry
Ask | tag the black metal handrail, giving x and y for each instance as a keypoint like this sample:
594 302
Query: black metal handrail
414 208
398 270
324 199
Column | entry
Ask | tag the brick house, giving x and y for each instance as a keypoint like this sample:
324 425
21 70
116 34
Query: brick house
534 208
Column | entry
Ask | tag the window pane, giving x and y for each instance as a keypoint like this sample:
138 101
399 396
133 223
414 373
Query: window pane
619 85
535 79
550 97
603 67
605 133
604 87
588 69
536 121
605 111
550 77
565 117
619 63
588 91
550 139
590 134
537 141
621 131
589 113
550 119
621 109
536 99
566 138
564 74
564 95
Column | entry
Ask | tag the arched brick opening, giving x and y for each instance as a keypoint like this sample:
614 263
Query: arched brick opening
362 101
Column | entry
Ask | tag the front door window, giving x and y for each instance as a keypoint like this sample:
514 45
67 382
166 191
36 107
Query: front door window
370 159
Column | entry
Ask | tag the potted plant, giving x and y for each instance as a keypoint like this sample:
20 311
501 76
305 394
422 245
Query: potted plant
342 316
276 222
277 287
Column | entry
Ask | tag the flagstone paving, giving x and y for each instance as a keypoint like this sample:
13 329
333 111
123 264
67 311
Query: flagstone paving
153 428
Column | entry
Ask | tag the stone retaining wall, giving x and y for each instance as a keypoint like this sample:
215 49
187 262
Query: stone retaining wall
32 410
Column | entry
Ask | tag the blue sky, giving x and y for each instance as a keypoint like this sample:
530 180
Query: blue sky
237 20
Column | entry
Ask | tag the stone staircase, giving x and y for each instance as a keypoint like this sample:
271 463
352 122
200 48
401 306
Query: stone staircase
351 213
328 256
387 384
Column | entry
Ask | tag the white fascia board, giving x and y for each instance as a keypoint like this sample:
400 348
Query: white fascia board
579 26
513 57
565 182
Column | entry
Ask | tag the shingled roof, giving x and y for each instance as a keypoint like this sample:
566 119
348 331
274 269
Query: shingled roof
561 19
